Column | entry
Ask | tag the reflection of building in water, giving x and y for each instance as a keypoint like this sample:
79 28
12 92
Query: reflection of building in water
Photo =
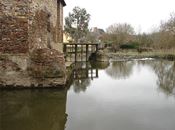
33 110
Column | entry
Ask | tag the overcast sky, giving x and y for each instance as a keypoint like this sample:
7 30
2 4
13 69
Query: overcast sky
143 15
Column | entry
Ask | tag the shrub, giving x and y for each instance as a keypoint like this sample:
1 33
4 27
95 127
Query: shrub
131 45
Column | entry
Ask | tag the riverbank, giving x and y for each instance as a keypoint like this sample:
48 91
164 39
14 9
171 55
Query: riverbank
128 55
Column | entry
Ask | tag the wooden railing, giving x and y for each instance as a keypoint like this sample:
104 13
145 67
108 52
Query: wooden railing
79 49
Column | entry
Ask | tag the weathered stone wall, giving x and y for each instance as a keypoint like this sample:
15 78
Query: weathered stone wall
42 24
14 26
60 23
29 24
29 29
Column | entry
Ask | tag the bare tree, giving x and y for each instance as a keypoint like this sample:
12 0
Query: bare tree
167 33
164 38
169 26
119 33
144 40
120 28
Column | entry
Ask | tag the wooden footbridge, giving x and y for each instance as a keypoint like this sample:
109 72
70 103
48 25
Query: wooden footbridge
79 51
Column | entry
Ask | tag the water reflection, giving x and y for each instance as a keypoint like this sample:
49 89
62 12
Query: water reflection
165 71
120 69
108 105
81 85
130 102
99 65
83 73
33 110
166 80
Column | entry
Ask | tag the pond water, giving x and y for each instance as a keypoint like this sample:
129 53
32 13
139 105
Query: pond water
122 95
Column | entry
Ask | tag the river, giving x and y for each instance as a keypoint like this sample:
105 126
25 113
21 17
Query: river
121 95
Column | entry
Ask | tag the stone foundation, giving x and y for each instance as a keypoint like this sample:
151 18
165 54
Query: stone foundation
30 43
99 56
15 72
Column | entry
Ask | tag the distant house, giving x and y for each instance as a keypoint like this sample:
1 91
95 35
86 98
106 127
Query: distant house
97 33
97 30
67 38
29 24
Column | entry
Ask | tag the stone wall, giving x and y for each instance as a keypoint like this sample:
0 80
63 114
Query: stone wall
14 26
31 28
29 24
60 23
42 24
46 24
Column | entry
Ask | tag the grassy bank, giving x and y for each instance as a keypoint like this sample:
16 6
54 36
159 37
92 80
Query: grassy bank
159 54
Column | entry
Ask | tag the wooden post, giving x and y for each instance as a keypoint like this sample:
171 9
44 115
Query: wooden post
96 47
64 50
75 52
87 51
96 73
71 50
81 52
91 73
87 70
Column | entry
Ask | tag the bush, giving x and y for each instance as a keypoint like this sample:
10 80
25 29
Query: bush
131 45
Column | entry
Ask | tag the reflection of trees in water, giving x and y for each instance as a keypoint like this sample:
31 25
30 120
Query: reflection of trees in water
165 71
81 85
120 69
166 76
100 65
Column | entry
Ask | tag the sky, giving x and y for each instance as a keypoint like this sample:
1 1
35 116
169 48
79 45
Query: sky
143 15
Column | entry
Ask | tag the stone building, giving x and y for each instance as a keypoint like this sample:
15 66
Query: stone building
31 36
29 24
